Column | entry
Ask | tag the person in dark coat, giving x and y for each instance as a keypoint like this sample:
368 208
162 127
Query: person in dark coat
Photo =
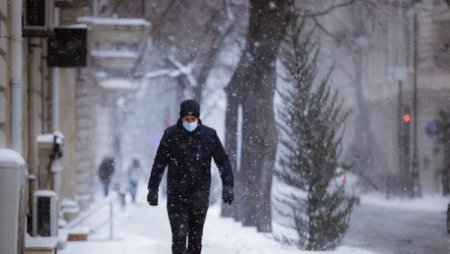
187 148
105 172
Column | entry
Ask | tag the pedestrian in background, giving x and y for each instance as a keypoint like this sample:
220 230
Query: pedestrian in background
121 186
134 174
105 173
187 148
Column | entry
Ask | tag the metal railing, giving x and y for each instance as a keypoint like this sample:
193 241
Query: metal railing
94 210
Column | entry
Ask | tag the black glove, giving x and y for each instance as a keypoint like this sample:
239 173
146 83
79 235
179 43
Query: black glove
227 195
152 197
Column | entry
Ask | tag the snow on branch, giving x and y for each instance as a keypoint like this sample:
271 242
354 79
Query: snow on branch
185 70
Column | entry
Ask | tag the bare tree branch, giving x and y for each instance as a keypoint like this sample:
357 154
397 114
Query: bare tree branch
157 22
154 28
329 9
211 56
323 29
345 71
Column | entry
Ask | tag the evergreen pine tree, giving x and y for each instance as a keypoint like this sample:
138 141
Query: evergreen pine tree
311 122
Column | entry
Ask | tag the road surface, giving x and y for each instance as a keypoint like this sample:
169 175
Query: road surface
392 230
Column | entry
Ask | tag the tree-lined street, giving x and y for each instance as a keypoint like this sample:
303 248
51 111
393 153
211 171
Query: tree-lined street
285 110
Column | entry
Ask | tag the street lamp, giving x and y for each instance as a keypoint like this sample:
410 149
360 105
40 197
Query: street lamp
416 191
400 74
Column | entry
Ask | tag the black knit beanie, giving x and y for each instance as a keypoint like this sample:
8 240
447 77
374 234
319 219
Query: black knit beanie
190 107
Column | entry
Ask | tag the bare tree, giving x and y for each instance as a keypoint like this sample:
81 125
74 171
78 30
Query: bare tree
252 87
193 36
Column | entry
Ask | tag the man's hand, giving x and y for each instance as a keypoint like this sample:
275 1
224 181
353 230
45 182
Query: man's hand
152 197
227 195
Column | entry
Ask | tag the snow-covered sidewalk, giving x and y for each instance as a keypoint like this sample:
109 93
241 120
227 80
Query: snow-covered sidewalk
144 229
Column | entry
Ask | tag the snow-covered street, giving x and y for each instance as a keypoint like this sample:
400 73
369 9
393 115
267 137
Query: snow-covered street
400 225
144 229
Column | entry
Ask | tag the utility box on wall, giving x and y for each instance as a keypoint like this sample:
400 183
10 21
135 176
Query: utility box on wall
45 213
50 149
12 200
68 47
38 17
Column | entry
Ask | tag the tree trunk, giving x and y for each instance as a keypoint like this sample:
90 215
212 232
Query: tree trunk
231 122
234 91
255 77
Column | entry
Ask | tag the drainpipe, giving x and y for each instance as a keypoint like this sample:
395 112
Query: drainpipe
56 78
16 74
95 8
35 47
55 86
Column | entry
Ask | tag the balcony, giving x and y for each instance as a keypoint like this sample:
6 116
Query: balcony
114 59
115 45
117 30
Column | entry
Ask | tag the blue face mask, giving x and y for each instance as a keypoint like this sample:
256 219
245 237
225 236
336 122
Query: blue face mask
190 126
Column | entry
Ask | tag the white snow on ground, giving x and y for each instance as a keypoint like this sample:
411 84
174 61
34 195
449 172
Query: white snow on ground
144 229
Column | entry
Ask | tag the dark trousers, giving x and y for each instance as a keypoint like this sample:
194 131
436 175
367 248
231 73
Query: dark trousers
133 190
187 217
105 188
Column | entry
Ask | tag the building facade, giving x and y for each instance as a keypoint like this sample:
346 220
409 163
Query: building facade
391 61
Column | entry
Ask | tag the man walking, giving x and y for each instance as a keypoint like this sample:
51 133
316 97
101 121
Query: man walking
187 148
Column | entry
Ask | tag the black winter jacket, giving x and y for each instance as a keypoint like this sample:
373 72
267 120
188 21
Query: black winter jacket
106 169
188 156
